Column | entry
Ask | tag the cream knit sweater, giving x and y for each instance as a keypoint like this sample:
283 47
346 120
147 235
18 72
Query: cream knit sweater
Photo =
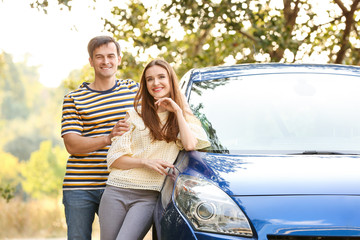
138 143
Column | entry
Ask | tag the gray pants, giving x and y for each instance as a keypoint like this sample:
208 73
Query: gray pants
126 213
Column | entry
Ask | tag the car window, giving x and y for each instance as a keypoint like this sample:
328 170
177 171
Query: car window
280 113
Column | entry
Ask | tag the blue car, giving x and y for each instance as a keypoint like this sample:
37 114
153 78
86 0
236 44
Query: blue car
284 158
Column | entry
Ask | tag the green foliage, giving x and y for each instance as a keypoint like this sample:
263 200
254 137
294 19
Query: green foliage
130 68
10 169
77 77
44 172
9 175
7 192
43 4
29 112
23 146
202 33
13 101
192 34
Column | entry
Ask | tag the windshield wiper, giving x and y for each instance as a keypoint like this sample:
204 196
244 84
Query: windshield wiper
322 153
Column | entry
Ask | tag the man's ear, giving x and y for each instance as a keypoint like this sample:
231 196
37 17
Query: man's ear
119 60
91 62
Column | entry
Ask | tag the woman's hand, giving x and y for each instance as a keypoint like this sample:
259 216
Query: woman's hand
158 165
168 104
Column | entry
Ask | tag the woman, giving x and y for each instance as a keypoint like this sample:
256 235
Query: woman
161 124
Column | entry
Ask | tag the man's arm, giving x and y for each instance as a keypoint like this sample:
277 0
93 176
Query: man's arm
77 144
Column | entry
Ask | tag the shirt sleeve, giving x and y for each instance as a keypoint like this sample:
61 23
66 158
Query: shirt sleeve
120 146
71 120
132 85
198 131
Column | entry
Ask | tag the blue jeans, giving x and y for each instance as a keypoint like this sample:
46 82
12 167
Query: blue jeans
80 208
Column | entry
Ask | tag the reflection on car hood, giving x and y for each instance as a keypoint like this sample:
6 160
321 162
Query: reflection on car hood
281 174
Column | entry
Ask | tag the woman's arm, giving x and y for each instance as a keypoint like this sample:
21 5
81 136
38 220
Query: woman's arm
187 138
77 144
126 162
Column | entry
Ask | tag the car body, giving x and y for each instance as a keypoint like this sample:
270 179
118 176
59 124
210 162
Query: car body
284 161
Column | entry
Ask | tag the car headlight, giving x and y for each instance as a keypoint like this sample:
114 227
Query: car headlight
208 208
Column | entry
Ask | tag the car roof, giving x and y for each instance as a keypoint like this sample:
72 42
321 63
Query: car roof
216 72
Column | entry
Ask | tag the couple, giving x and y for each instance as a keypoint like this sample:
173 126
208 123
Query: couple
138 130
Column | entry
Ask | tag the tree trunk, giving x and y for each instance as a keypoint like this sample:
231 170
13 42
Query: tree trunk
349 21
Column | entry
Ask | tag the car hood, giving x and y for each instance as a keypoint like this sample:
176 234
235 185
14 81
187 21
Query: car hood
252 175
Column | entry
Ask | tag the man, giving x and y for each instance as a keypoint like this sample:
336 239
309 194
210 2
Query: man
91 117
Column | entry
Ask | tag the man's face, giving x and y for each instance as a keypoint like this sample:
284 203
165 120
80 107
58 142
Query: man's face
105 61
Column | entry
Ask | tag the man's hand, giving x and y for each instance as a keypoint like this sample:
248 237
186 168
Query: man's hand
119 129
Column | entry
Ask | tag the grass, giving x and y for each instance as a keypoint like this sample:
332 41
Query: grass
37 219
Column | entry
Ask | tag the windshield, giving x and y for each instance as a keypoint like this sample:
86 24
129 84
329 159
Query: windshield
280 113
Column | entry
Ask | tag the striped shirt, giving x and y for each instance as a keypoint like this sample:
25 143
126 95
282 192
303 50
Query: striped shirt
92 113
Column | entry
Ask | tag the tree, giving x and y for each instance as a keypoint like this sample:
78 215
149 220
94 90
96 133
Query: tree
43 173
213 32
77 77
9 175
349 51
23 101
12 98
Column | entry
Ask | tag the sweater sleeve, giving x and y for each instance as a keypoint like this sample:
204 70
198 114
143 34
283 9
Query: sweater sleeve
198 131
120 146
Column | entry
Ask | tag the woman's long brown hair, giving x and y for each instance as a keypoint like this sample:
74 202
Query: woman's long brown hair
170 129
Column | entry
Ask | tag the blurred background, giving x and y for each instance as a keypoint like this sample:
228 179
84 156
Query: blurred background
43 55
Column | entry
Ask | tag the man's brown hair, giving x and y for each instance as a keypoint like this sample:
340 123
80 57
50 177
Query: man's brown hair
99 41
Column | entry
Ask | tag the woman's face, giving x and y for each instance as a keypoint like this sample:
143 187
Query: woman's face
157 81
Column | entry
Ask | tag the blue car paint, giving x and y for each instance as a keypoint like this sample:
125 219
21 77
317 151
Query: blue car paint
251 175
319 215
327 214
283 174
308 203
